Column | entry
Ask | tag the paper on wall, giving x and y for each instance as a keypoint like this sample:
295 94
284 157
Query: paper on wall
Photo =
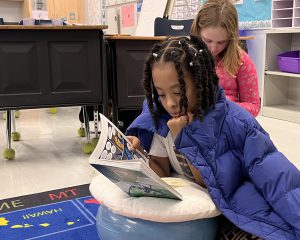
150 10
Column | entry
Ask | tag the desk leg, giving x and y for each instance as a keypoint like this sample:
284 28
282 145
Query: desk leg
88 146
8 152
94 141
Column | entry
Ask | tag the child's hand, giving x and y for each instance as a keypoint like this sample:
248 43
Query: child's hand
135 142
176 124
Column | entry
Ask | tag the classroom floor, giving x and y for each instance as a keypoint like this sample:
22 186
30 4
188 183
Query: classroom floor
49 155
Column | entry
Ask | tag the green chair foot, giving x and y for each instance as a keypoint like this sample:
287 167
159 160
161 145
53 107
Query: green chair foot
9 154
94 141
88 148
81 132
15 136
52 110
17 113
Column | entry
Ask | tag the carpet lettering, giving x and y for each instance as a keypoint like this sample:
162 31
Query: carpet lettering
38 214
11 204
64 194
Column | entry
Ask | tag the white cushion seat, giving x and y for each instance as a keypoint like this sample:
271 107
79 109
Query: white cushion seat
145 217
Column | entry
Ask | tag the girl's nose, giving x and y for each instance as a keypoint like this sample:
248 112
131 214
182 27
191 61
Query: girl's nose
171 103
213 48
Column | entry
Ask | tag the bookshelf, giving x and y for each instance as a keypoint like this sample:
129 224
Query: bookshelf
281 90
285 13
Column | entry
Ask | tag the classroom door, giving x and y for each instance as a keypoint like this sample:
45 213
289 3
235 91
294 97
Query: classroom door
69 10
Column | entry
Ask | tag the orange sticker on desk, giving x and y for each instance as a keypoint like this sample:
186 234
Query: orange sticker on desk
127 15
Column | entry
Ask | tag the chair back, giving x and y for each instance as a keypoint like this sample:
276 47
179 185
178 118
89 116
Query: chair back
172 27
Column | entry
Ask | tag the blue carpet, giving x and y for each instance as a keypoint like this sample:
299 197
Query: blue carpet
64 214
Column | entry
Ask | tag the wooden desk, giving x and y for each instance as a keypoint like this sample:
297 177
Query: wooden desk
126 58
49 66
44 66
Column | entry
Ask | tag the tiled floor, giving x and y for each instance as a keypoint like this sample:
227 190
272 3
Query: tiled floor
49 155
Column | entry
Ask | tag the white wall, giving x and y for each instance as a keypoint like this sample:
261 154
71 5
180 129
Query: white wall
11 11
93 12
257 51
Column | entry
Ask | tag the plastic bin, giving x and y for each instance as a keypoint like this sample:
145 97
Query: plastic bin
289 61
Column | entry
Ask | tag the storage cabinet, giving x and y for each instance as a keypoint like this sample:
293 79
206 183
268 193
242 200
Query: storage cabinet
69 10
281 90
29 6
285 13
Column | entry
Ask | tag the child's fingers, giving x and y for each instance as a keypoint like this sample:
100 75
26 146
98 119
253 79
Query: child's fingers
135 142
184 119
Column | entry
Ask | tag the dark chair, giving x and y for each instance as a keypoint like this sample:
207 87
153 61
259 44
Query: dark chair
172 27
1 21
243 43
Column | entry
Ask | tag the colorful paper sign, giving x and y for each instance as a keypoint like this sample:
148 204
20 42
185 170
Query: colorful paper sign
127 13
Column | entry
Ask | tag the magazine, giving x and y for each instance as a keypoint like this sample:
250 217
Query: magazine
129 170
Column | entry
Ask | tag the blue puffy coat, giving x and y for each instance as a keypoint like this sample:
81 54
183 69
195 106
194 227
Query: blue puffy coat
249 180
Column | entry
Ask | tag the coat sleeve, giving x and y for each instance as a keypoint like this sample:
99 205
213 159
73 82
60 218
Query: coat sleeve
274 176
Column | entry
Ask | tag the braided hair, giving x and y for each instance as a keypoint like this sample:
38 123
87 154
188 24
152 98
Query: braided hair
188 54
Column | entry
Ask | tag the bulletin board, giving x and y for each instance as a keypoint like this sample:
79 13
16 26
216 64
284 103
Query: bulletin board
185 9
253 14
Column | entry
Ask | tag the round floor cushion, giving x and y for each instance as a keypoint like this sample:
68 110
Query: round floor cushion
196 203
112 226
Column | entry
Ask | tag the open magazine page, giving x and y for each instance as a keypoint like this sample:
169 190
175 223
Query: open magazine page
127 169
137 180
113 144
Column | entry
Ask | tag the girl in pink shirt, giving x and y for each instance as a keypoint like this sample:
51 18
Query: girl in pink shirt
217 24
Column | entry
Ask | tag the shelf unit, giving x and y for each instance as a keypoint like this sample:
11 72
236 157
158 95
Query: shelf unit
285 13
281 90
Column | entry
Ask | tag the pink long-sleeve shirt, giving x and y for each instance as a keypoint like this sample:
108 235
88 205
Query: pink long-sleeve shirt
242 88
